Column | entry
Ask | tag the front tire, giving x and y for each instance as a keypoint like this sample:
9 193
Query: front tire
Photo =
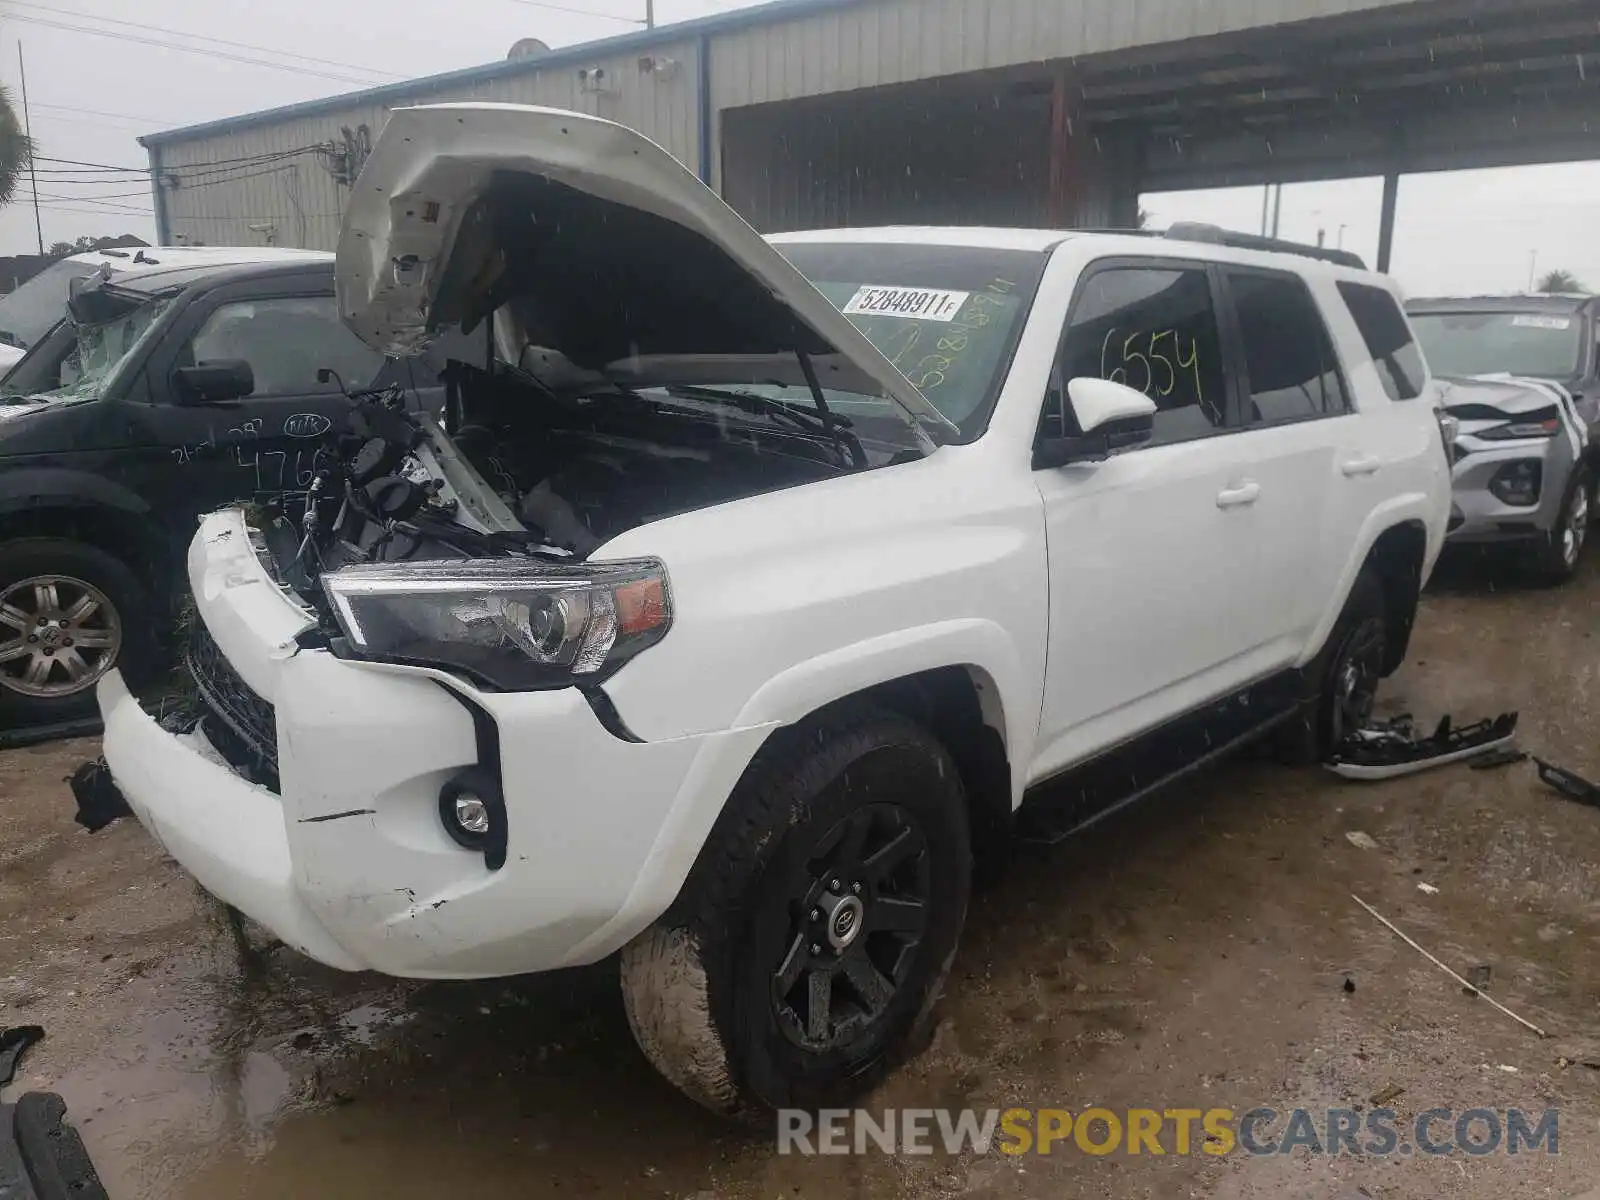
804 956
69 612
1556 560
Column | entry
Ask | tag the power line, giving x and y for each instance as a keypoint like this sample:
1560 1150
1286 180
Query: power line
579 12
239 58
91 212
199 37
112 209
95 112
110 173
96 195
73 162
119 124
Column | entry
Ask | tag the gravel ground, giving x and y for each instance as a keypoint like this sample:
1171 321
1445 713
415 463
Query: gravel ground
1191 953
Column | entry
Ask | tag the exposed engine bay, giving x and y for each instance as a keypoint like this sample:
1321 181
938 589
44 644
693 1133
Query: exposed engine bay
527 470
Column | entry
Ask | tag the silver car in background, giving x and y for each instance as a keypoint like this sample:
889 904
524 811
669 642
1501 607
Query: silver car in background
1517 375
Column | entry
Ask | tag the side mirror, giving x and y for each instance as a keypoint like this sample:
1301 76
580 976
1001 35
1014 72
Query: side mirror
215 382
1112 417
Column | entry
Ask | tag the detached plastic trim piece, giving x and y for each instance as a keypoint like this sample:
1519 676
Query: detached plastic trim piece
1574 787
1393 749
41 1156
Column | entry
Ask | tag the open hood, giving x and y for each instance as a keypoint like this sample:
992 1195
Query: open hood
608 252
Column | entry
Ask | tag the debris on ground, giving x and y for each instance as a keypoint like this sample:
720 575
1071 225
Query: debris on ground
1401 934
1427 889
1574 787
1508 757
100 801
38 735
41 1156
14 1044
1387 1095
1480 975
1349 986
1361 841
1390 749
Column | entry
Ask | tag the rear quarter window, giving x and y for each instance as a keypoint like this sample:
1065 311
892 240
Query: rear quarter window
1388 338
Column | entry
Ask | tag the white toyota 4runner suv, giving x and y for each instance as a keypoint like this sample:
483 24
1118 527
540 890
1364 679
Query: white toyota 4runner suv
751 591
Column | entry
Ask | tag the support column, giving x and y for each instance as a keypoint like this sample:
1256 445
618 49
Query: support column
703 112
1068 145
1391 200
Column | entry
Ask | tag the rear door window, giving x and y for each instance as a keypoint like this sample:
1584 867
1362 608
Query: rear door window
1154 329
1388 339
1293 374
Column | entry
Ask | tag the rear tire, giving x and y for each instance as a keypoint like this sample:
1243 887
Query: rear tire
805 954
1556 560
1344 676
108 619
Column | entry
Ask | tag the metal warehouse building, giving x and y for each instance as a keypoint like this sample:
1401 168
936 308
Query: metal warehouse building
807 113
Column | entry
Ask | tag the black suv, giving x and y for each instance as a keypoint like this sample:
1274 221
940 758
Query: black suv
165 393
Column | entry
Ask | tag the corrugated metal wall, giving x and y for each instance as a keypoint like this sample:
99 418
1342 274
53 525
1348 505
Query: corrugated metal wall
896 41
221 197
923 155
830 49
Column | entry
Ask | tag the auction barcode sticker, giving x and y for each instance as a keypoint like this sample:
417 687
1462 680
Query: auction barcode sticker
1533 321
918 304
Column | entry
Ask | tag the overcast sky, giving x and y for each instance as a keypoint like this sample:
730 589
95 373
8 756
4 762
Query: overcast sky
91 94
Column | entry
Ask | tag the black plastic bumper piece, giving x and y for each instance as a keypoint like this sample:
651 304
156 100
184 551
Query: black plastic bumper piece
41 1156
1574 787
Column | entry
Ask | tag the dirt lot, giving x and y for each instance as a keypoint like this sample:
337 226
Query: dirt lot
1191 953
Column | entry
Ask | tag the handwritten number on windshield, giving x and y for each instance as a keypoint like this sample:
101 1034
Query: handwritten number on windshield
933 370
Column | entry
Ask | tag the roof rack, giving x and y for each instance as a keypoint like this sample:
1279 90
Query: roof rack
1215 235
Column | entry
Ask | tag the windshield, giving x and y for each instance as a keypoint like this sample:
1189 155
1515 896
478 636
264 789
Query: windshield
27 314
101 348
1544 345
947 316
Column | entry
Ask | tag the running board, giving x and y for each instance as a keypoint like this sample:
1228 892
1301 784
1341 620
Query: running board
1087 794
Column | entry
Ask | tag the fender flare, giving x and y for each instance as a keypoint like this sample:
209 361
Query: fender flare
24 488
1408 508
967 643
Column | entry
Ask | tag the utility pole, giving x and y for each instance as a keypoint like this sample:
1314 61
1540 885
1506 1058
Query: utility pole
27 128
649 14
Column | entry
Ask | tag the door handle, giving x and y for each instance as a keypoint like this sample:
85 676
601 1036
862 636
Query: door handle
1239 497
1361 466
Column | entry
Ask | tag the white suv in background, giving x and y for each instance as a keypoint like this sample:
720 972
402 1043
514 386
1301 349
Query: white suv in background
763 587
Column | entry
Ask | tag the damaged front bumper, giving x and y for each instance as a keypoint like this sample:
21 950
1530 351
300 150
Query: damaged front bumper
1480 517
348 858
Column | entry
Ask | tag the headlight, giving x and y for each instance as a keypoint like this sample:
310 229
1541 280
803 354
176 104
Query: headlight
1523 429
512 624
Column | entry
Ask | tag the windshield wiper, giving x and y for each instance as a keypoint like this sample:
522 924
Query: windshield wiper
833 426
811 422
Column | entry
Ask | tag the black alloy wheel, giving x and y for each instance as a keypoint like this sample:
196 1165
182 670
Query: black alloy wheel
853 922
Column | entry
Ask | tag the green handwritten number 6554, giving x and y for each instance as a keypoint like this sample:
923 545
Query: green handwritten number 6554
1148 357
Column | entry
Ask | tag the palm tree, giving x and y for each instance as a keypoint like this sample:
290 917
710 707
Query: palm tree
16 148
1560 281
